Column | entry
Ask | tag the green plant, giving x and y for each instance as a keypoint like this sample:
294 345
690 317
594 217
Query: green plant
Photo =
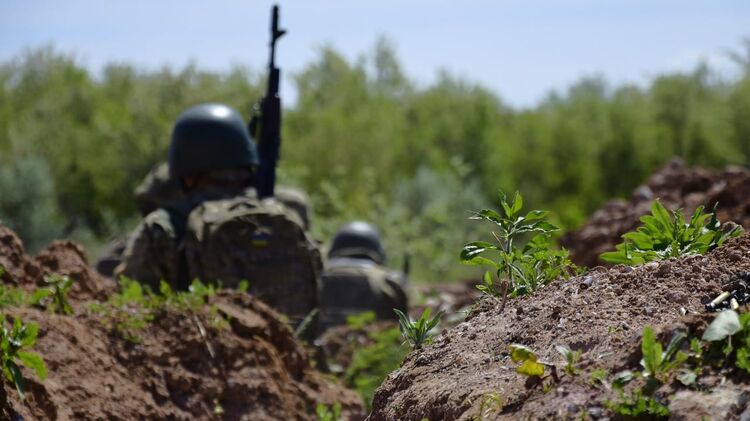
492 403
326 413
372 363
657 364
638 406
599 376
663 236
58 287
14 345
418 332
10 296
571 359
361 320
520 270
730 332
530 366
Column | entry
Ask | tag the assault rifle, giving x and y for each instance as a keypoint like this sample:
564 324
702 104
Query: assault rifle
266 123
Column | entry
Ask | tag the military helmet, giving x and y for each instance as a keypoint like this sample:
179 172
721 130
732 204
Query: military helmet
209 137
358 239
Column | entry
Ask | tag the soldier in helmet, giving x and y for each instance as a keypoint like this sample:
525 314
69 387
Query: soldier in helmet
356 278
220 231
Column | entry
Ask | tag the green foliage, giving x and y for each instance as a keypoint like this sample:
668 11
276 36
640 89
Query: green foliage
10 296
326 413
529 364
729 337
418 332
371 364
361 320
134 307
571 359
599 376
397 151
58 290
14 350
663 236
522 270
638 406
657 364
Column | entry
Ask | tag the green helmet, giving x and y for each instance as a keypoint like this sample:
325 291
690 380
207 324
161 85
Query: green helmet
357 239
210 137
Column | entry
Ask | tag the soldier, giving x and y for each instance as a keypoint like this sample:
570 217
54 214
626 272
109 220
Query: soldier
160 190
356 278
221 232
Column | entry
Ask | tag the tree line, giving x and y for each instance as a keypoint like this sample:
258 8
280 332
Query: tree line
364 140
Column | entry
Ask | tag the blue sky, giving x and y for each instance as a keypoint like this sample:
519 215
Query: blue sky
519 49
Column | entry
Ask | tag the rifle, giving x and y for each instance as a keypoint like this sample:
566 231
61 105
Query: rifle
269 139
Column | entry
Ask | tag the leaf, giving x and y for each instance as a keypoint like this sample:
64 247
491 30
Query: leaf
521 353
619 380
15 373
517 204
687 377
727 323
531 368
34 362
651 350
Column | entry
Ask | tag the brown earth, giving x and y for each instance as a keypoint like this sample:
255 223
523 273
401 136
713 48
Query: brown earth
676 186
602 313
252 368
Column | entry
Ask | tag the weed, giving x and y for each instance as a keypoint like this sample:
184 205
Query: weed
14 345
326 413
638 406
520 271
11 297
571 359
492 403
418 332
599 376
729 335
663 236
658 364
371 364
529 365
58 287
361 320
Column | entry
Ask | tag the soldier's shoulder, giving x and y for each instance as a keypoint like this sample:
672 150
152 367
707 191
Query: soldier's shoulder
243 206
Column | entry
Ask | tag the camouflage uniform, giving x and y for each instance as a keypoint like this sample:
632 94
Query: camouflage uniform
357 280
353 285
216 229
227 241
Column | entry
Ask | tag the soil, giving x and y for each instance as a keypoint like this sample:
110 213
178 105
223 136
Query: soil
249 368
676 186
601 313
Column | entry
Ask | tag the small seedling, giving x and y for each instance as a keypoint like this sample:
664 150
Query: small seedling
326 413
599 376
492 403
657 364
663 236
638 406
731 331
58 288
418 332
530 366
571 359
14 345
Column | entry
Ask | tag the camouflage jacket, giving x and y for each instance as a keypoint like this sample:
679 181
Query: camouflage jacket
227 241
354 285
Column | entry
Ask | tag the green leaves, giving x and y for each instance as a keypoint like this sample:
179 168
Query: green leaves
13 350
726 324
528 359
418 332
662 236
657 363
571 358
520 270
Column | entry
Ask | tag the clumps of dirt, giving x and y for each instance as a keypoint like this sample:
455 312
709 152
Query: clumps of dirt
60 257
676 186
601 313
233 358
252 368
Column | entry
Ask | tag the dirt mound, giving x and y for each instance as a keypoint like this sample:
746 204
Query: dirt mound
601 313
60 257
251 369
677 187
232 358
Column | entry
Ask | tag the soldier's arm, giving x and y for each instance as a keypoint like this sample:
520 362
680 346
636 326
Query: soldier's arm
151 253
